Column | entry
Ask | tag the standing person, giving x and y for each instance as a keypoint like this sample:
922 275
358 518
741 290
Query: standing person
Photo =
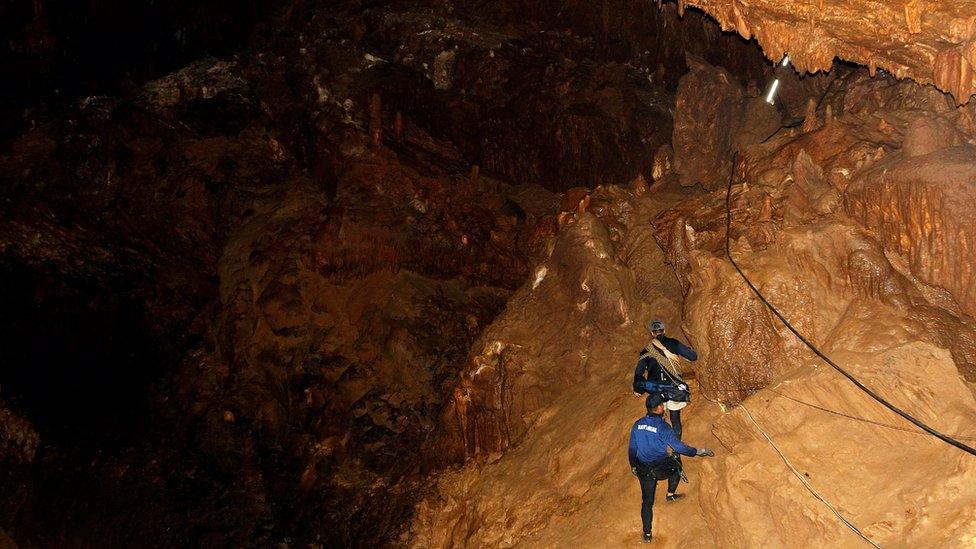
650 438
651 377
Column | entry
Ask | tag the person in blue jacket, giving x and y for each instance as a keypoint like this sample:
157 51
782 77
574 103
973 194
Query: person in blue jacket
650 438
651 377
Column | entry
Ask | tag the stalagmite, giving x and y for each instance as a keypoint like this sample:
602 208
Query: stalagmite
810 120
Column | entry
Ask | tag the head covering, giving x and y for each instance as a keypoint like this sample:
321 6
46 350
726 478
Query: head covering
657 325
653 401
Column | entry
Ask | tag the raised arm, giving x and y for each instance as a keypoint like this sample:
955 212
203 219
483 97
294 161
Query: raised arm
679 348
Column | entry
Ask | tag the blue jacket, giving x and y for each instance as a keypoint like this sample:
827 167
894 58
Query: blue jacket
650 438
656 376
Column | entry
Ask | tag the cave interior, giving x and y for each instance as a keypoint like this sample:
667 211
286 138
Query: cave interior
328 274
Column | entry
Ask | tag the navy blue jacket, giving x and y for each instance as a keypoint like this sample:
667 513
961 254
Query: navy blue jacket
657 377
650 438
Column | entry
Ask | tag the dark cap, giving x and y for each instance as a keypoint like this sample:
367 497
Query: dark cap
653 401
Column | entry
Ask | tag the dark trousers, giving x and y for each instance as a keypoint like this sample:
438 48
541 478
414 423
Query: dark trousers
675 417
648 485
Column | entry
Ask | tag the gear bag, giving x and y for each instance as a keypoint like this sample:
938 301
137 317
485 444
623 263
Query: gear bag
677 398
659 470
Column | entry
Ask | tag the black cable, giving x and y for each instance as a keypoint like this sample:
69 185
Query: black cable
728 227
861 419
799 122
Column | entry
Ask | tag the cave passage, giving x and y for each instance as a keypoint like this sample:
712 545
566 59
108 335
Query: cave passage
365 273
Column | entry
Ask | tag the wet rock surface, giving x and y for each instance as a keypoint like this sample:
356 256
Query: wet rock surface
930 42
808 236
380 278
283 258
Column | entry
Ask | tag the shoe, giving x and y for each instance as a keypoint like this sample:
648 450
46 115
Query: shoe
674 497
647 538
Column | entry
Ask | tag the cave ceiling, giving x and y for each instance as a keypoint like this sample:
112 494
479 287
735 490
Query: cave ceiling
932 42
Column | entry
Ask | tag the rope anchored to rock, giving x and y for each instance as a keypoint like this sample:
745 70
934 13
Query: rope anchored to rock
918 423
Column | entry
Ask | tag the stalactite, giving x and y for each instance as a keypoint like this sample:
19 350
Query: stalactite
741 25
398 127
913 16
376 120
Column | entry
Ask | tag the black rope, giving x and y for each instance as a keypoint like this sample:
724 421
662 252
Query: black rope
728 227
800 121
856 418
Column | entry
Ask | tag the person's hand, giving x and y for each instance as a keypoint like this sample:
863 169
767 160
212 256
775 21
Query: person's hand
638 395
705 452
634 471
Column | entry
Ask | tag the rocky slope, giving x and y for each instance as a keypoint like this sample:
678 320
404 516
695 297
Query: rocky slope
379 279
806 230
281 258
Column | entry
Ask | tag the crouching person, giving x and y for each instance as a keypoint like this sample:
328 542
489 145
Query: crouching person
650 462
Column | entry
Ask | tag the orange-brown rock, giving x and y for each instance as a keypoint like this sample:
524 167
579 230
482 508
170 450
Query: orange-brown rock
928 41
18 439
580 313
832 278
708 107
791 237
920 207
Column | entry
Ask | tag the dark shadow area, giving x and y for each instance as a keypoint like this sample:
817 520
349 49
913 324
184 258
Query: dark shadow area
63 49
76 361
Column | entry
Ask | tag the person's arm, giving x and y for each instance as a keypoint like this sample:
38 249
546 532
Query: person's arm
679 348
632 448
672 440
639 375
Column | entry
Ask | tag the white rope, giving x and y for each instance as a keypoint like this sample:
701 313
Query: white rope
796 473
806 483
672 362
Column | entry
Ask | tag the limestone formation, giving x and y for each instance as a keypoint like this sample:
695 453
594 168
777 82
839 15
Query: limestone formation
377 273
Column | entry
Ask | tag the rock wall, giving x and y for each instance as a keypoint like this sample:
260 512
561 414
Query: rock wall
809 232
307 237
918 206
549 381
929 42
516 369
